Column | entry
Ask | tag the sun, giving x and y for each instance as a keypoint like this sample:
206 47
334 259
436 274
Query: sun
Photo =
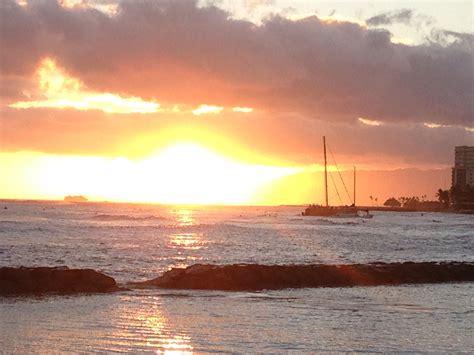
179 173
190 173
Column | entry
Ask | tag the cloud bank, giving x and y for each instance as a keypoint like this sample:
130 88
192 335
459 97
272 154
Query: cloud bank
180 52
323 73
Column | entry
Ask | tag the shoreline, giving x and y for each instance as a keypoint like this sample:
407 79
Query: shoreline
421 210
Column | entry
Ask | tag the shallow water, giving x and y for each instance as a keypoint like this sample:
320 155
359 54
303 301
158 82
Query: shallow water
137 242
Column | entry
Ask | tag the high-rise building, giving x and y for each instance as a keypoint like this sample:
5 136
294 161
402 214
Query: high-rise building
463 171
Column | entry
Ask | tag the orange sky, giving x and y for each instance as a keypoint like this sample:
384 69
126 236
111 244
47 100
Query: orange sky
193 106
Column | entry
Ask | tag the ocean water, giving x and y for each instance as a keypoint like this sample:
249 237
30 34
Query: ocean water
133 242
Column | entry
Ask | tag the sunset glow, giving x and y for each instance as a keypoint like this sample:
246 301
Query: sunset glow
368 122
242 109
207 109
63 91
183 173
433 125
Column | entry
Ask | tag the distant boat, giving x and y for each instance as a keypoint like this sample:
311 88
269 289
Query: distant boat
333 211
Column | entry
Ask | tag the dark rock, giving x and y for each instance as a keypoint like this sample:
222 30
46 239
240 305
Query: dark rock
258 277
24 280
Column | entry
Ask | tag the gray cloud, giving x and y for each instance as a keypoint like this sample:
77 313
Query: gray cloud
419 22
399 16
175 51
462 41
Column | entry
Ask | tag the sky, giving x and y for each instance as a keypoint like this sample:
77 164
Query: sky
227 101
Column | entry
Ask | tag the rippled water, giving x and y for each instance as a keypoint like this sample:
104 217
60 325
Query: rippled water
137 242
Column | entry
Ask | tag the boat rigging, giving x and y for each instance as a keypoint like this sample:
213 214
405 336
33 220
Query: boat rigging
333 211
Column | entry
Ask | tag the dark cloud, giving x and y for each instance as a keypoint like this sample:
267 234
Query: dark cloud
322 72
462 41
399 16
419 22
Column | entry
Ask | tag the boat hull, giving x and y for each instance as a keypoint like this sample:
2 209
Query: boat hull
338 212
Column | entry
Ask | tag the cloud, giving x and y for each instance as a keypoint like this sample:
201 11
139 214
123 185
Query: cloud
278 137
62 91
207 109
399 16
184 53
251 5
368 122
302 76
462 41
242 109
420 22
433 125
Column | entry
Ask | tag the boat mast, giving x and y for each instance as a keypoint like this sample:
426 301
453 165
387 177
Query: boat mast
354 186
325 172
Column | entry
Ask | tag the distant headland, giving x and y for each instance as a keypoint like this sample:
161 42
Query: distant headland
75 199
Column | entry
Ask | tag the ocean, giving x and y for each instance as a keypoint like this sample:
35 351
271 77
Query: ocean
133 242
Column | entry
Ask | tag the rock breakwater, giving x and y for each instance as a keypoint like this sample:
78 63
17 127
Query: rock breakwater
258 277
38 280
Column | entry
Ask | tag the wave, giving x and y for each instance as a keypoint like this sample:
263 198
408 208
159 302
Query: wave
292 223
123 217
324 222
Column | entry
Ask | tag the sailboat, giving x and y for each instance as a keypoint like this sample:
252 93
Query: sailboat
332 211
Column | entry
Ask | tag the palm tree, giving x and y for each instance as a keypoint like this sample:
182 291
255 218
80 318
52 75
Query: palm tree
443 197
392 202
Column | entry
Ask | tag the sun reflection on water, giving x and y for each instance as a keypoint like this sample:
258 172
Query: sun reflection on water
184 217
189 241
158 335
178 345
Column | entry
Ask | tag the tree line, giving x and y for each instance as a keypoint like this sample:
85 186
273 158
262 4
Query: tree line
456 198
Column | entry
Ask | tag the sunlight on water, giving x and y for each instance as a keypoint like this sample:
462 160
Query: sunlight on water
184 217
146 326
190 241
178 345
